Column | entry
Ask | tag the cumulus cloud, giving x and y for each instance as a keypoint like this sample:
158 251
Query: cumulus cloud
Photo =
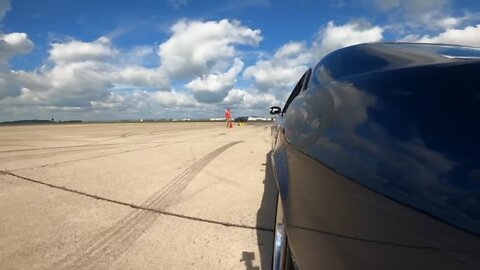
95 75
77 51
448 22
436 20
279 73
82 76
469 35
238 98
214 87
69 85
145 100
83 73
140 55
333 37
173 99
14 44
140 76
285 68
93 79
196 46
9 86
409 17
124 105
11 45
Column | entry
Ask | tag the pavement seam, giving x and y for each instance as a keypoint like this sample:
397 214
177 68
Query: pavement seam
162 212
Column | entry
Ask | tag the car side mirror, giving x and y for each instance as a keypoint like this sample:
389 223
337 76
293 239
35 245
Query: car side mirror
275 110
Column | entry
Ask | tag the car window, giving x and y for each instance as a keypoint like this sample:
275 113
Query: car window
300 86
306 79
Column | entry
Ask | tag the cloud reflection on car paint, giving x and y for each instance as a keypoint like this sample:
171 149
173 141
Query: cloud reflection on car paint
340 128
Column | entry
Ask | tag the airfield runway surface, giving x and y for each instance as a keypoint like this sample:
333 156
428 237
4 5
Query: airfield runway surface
136 196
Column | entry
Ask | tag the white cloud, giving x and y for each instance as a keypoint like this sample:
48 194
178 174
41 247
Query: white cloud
139 55
173 99
145 100
94 76
145 104
195 47
290 49
129 105
95 79
84 73
285 68
141 76
9 86
75 84
279 74
77 51
10 45
410 17
334 37
448 22
469 35
439 20
14 44
214 87
238 98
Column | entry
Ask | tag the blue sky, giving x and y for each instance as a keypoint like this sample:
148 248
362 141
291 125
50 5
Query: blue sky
103 60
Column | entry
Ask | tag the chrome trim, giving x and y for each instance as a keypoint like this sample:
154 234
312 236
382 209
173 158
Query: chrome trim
279 241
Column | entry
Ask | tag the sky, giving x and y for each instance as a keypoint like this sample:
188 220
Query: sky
161 59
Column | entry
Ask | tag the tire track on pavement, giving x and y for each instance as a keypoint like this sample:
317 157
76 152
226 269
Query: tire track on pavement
92 157
54 152
53 147
151 144
111 243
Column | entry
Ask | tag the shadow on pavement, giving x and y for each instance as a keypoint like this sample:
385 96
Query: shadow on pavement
247 258
266 216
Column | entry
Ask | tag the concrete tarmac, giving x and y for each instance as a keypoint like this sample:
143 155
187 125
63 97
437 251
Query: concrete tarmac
136 196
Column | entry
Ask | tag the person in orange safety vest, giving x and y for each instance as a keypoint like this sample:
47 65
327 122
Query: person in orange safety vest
228 118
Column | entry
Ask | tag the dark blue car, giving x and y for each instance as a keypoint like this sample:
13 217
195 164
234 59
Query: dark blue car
376 155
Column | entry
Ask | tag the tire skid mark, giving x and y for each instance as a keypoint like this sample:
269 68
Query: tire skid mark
110 244
65 149
68 146
54 147
55 153
92 157
105 155
128 135
108 154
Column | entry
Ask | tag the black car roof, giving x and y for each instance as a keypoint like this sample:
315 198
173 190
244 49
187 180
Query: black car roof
376 57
